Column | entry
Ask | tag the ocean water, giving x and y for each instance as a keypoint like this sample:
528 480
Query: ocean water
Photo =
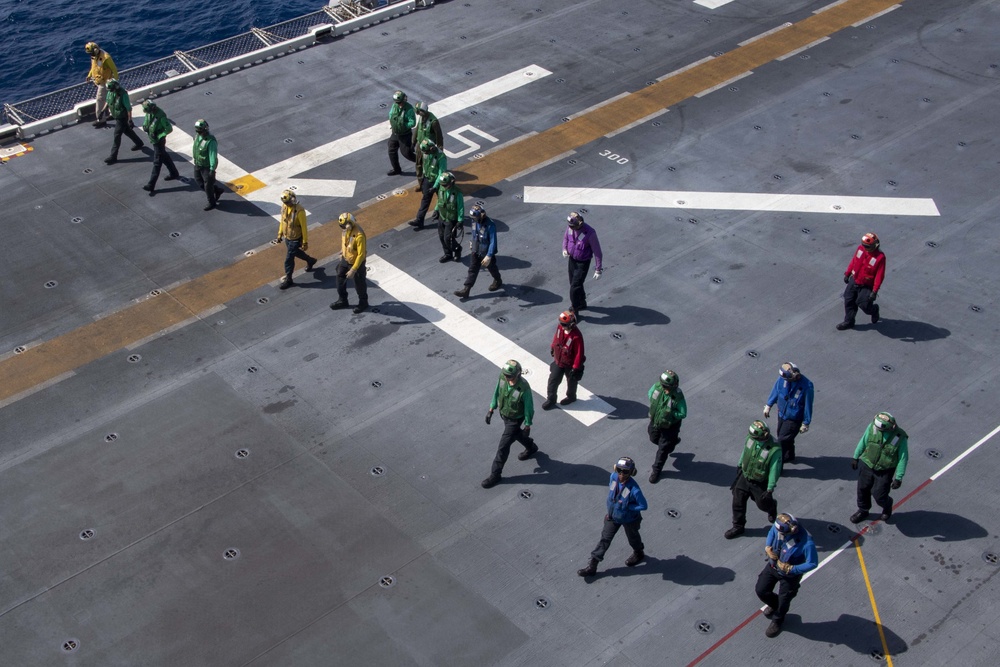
43 40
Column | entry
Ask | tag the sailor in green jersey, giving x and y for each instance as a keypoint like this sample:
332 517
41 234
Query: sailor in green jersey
434 163
401 122
120 109
758 473
883 451
512 396
157 127
667 408
206 159
428 128
450 210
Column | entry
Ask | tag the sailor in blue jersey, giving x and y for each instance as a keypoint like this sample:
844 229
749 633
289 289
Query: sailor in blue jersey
790 554
793 392
625 504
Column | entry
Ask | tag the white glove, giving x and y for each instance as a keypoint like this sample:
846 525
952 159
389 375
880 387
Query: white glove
597 275
486 261
350 274
565 254
803 428
767 411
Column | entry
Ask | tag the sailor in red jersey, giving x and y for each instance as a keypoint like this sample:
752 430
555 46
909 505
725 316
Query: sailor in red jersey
863 277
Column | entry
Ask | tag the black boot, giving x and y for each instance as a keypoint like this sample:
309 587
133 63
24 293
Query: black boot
590 570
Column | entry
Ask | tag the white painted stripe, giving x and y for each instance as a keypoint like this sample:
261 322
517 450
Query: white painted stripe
478 337
686 68
182 143
873 17
829 6
540 165
338 148
599 105
712 4
965 453
803 48
722 85
732 201
625 128
765 34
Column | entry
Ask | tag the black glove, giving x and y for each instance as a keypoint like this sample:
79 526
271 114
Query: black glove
896 483
871 299
854 464
846 278
489 416
767 495
607 517
577 374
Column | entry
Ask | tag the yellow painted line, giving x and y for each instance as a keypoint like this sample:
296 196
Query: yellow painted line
92 341
871 596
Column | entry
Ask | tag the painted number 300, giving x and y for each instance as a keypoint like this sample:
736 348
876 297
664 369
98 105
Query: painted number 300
614 157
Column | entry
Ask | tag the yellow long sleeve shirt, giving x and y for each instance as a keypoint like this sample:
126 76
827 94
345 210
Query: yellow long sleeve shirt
102 69
292 225
353 246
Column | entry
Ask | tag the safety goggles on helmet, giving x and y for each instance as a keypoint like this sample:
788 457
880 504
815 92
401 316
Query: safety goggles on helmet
870 241
399 96
788 370
428 146
477 213
785 523
113 84
625 465
511 369
884 421
92 48
669 379
574 219
447 178
567 318
345 220
201 125
148 105
288 197
759 430
420 108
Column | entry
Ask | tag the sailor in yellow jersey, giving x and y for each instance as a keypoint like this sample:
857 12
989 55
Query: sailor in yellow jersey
353 253
102 70
292 229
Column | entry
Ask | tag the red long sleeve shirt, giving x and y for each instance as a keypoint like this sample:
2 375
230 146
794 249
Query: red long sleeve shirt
868 268
567 348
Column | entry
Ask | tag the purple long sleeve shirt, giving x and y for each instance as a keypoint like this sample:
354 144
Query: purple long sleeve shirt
582 244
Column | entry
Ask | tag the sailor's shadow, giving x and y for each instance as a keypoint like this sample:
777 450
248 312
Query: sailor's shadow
856 633
318 279
626 314
680 570
942 526
548 470
709 472
626 408
908 331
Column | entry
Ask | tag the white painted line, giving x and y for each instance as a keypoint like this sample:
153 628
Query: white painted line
599 105
732 201
480 338
712 4
686 68
338 148
873 17
803 48
540 165
965 453
722 85
765 34
625 128
182 143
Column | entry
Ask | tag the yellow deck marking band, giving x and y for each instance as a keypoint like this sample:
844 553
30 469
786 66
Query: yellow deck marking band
244 185
71 350
871 596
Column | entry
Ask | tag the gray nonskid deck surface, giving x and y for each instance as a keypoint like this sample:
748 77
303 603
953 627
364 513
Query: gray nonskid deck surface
336 459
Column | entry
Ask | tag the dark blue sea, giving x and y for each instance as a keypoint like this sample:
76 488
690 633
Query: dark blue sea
43 40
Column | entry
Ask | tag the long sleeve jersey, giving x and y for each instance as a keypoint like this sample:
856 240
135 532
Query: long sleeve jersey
868 268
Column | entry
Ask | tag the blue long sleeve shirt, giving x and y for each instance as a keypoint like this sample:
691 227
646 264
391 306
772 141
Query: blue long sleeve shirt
796 548
794 399
625 501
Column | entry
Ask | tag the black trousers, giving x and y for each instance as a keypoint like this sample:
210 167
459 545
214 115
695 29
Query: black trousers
161 157
205 178
608 533
400 143
123 126
293 249
360 281
785 436
665 439
577 274
427 193
877 483
448 234
744 489
856 296
511 431
788 588
556 374
475 263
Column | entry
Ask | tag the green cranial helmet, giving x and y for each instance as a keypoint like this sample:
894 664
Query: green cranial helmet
511 369
113 84
420 108
759 430
201 125
148 105
428 146
669 379
884 421
399 96
447 178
